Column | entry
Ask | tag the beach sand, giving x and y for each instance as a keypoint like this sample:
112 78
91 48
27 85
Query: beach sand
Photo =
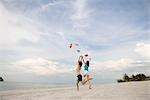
117 91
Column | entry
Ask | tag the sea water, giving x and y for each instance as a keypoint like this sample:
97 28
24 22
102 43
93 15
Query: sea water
25 85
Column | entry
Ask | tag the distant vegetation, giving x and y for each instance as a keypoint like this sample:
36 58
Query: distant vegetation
137 77
1 79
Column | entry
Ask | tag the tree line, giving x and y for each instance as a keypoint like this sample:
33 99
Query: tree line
137 77
1 79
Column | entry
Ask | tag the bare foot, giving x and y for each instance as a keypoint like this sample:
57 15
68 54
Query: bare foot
90 87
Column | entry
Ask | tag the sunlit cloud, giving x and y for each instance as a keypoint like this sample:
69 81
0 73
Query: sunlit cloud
47 6
81 13
40 66
15 27
143 49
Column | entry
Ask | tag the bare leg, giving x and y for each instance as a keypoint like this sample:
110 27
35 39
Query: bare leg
77 85
87 78
90 86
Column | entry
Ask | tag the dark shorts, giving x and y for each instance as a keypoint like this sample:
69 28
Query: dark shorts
79 77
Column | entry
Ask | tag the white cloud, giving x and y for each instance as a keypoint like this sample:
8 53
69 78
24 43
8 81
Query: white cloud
48 5
15 27
81 13
80 10
112 65
42 66
143 49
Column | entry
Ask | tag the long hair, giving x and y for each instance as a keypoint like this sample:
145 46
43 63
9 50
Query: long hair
80 63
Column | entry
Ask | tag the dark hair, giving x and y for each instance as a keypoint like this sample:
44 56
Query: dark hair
87 63
80 63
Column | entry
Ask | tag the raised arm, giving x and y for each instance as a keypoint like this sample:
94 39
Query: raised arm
83 60
80 58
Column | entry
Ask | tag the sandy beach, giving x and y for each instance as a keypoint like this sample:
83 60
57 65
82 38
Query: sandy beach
117 91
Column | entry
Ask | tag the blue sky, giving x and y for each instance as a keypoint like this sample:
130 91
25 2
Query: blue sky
35 35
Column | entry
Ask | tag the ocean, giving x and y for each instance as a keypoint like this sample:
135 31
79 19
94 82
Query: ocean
25 85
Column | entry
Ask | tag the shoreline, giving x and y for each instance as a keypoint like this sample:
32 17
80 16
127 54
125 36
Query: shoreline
7 85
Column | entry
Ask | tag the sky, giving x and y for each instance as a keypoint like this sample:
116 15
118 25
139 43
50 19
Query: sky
35 37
